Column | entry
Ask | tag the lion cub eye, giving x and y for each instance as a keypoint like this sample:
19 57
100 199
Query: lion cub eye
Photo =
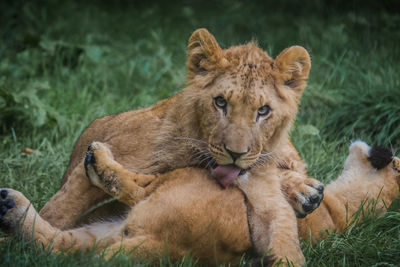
220 102
263 111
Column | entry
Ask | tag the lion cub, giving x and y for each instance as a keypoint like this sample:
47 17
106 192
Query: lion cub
368 173
188 212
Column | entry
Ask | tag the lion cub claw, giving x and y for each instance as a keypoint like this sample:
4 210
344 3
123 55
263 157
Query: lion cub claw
305 195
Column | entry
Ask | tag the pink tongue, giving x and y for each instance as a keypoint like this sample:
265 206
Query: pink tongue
226 174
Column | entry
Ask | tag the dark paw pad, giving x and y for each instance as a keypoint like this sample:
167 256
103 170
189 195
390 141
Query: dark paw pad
3 193
10 203
300 215
308 206
314 199
320 189
89 159
310 203
3 210
5 204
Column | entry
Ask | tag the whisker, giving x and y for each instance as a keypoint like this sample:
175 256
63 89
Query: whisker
207 158
200 155
190 139
265 158
200 152
211 163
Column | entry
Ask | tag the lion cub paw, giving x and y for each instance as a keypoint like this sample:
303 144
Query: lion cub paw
107 174
305 196
98 164
14 207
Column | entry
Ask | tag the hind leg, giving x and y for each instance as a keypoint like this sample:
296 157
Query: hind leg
75 197
19 216
106 178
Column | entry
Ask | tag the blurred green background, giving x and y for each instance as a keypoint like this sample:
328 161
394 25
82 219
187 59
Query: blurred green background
65 63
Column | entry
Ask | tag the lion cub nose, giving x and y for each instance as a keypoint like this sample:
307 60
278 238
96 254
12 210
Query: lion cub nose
235 155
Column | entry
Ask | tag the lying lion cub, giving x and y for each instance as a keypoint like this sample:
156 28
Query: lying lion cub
367 173
189 212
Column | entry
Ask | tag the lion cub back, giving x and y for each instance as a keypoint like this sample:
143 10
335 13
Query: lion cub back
194 214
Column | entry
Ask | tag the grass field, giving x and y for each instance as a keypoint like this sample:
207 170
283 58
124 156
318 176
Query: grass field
65 63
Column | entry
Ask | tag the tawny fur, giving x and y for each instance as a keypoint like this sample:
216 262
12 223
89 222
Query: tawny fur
190 213
188 130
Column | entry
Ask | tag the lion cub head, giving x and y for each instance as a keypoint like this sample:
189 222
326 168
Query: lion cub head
244 99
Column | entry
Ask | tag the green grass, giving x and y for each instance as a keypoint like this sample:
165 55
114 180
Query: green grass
65 63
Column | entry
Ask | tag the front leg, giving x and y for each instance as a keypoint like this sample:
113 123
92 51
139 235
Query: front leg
75 197
272 221
302 192
110 176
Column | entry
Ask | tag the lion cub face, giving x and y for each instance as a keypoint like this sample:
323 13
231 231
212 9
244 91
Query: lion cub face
245 100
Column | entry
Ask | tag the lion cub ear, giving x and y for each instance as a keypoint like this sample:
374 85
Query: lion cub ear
294 65
204 53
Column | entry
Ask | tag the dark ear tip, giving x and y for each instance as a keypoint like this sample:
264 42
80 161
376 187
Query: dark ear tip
380 157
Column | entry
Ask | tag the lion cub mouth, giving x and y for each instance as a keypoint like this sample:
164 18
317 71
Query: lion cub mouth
226 174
